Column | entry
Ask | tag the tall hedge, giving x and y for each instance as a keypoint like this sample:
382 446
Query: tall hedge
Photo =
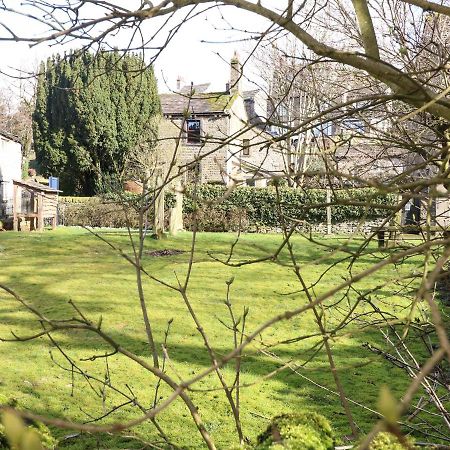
245 208
92 111
261 208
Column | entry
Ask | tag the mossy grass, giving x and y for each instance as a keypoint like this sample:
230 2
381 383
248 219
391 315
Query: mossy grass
53 267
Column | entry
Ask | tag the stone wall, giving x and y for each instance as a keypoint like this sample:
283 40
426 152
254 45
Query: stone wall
213 159
347 227
344 228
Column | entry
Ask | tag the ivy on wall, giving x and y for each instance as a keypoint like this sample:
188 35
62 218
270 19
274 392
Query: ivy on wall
261 205
243 208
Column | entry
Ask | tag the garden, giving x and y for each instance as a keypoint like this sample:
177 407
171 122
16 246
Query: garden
73 374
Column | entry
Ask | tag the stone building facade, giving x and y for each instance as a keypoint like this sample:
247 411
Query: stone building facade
216 137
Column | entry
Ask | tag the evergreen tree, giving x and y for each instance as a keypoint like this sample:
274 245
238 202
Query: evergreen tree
91 113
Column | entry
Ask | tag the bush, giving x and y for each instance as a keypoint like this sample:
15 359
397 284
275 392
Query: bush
260 205
97 213
245 208
217 219
300 431
111 211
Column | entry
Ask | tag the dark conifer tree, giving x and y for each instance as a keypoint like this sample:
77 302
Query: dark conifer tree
91 112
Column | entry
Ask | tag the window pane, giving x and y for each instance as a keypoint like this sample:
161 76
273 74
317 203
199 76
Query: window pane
353 125
246 147
193 131
324 129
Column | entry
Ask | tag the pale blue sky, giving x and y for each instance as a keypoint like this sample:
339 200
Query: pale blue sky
186 55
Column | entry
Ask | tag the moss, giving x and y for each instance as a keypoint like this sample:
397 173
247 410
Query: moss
298 431
44 434
219 101
388 441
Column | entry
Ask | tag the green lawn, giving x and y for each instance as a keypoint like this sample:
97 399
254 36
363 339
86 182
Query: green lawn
51 268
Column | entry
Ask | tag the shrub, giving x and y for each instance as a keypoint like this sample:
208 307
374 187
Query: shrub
245 208
217 219
112 210
261 209
97 213
300 431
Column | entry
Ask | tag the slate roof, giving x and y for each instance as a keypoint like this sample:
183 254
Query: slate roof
10 136
198 88
202 103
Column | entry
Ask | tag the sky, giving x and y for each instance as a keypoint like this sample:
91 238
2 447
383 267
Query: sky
199 52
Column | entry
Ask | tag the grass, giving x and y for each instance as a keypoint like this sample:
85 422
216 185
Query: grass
51 268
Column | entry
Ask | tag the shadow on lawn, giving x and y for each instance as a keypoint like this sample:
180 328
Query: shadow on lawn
361 377
350 358
360 380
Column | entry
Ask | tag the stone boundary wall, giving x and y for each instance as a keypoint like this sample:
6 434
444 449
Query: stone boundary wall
347 227
321 228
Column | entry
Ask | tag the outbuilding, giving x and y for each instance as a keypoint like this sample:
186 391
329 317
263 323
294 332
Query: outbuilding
10 169
33 204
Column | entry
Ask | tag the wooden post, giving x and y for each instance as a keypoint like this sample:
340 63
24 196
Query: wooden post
40 211
158 220
381 240
15 206
33 220
176 213
328 200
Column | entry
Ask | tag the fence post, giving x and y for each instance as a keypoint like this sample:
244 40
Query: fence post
158 221
176 213
328 200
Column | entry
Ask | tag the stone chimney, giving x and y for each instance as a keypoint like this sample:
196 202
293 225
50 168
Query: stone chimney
179 83
235 75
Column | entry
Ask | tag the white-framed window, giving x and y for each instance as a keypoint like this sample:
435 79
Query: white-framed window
283 113
325 129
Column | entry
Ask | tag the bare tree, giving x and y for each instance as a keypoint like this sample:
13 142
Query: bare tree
377 73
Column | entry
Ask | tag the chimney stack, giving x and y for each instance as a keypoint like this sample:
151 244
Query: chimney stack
235 75
179 83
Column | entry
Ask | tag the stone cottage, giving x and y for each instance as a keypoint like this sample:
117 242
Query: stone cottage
217 137
10 169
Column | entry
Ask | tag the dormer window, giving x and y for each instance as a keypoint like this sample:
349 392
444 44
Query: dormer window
193 131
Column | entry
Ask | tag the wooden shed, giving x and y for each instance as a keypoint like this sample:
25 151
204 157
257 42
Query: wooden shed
33 204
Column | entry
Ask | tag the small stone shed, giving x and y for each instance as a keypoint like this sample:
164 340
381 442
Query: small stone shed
33 204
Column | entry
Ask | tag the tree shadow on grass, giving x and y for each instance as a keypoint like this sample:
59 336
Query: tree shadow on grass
186 350
361 375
